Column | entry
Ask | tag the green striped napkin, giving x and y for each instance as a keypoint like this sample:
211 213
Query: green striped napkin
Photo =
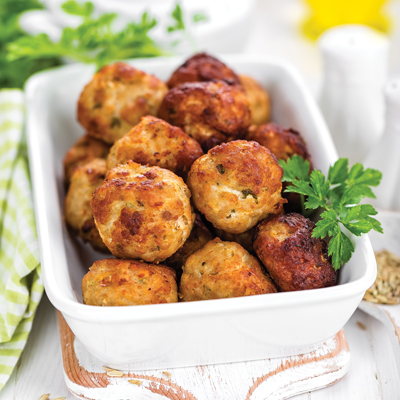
21 284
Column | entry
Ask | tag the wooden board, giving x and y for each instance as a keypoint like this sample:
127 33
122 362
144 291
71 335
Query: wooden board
389 315
274 379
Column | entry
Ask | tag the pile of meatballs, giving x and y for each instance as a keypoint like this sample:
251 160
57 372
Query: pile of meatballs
180 182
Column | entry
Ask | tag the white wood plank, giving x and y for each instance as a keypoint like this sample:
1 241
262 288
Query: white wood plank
361 382
387 372
255 380
40 369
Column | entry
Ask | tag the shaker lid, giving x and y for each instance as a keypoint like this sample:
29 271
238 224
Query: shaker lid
353 46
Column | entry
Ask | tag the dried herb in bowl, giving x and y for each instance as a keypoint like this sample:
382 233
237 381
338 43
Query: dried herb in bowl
386 288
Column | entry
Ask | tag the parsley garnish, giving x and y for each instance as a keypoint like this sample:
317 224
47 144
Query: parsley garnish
339 196
95 40
92 41
180 26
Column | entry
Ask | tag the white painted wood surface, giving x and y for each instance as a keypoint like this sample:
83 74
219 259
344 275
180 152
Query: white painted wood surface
273 379
373 374
389 315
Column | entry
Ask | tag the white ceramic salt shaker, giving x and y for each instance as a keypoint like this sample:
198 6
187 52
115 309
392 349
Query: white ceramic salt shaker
385 156
355 68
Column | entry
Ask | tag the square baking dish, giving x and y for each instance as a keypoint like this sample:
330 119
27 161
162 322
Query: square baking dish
181 334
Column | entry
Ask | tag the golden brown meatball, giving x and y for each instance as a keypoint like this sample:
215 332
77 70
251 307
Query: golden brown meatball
157 143
84 150
78 213
260 103
245 239
115 100
210 112
283 143
142 213
294 259
220 270
236 184
113 282
199 236
202 68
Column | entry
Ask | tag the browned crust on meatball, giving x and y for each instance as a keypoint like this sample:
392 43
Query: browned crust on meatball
155 142
78 213
220 270
142 213
115 100
260 103
84 150
113 282
202 67
236 184
294 259
199 236
210 112
283 143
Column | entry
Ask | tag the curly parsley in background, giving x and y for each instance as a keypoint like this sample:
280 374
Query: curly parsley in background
339 196
93 41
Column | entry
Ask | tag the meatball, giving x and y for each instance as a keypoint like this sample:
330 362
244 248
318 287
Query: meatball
236 184
115 100
283 143
142 213
202 68
220 270
294 259
245 239
156 142
84 150
260 104
78 213
113 282
210 112
199 236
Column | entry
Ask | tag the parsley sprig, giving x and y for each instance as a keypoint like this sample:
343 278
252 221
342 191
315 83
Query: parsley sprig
94 40
339 196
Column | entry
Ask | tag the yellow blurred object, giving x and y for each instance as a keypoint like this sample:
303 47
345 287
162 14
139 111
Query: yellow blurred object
329 13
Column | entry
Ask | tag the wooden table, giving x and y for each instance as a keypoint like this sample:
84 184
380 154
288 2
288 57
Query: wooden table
373 374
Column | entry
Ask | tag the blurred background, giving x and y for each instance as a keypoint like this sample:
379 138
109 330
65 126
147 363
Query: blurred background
346 50
38 34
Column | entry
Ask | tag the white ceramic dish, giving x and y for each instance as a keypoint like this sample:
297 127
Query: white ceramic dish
180 334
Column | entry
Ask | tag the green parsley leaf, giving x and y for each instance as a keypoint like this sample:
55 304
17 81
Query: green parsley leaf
354 194
295 168
177 15
370 177
327 225
94 41
75 8
339 195
340 248
199 17
339 171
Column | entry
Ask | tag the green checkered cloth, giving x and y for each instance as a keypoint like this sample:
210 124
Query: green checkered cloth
21 284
